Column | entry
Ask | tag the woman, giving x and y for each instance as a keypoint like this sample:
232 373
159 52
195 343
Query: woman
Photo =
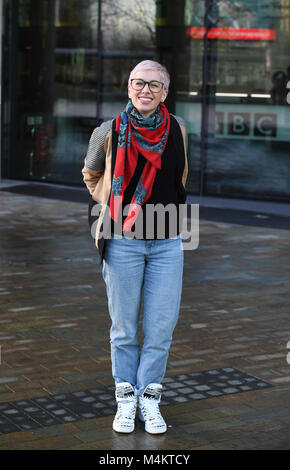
138 161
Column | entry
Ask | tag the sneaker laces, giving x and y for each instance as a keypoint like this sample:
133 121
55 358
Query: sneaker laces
126 409
150 409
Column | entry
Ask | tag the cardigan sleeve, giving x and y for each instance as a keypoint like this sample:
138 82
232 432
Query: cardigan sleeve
94 163
96 155
182 124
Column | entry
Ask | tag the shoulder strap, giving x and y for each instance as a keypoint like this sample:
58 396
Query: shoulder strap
177 140
114 146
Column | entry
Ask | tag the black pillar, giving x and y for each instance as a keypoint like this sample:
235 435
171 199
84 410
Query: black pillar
170 41
208 98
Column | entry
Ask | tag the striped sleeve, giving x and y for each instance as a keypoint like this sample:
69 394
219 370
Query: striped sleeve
95 158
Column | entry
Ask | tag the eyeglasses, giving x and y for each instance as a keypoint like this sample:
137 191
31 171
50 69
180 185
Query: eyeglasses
138 84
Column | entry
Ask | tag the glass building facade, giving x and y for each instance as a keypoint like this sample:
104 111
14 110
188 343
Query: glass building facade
65 66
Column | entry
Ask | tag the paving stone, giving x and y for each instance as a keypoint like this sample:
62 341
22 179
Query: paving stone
55 325
71 407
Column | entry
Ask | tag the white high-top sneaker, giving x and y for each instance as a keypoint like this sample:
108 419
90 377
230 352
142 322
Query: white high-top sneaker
126 398
149 409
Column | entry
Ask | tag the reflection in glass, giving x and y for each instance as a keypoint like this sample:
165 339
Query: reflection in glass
69 62
247 154
72 71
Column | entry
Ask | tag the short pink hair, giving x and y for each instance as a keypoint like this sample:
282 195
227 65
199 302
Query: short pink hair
152 65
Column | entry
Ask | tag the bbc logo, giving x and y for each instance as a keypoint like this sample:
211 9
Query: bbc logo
246 124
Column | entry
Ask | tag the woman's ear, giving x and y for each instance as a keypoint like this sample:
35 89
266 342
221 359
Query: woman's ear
129 91
164 96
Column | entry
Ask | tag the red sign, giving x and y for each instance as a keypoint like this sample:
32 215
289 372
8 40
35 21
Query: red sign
43 144
237 34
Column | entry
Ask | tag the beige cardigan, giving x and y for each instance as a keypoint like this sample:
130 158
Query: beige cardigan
99 182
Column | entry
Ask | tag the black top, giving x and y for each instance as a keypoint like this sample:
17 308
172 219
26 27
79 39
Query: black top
167 190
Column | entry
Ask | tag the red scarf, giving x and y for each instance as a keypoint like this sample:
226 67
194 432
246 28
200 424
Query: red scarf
137 134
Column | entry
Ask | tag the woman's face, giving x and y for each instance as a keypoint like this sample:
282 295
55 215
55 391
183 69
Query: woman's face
146 101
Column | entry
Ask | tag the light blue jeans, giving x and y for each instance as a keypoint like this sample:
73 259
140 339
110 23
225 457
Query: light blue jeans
155 267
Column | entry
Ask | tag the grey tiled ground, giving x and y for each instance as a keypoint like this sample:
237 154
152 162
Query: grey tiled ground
86 404
54 337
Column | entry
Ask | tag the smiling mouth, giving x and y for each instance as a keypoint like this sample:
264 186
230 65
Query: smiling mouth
145 100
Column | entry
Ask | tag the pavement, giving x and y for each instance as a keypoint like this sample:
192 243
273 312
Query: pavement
228 380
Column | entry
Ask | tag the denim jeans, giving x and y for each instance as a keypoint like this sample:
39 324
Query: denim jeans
154 267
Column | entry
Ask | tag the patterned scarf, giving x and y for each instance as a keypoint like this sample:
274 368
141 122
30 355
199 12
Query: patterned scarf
137 134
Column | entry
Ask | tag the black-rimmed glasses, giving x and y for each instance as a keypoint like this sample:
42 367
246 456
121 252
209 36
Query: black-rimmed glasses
138 84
